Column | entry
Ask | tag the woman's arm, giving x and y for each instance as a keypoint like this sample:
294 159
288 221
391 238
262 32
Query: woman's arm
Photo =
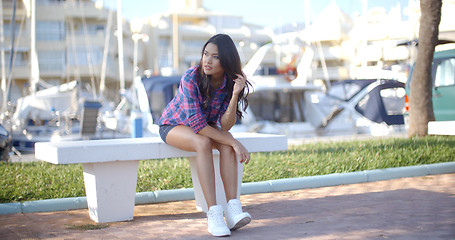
230 116
224 137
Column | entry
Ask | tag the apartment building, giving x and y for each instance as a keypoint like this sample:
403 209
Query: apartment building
74 38
70 39
178 35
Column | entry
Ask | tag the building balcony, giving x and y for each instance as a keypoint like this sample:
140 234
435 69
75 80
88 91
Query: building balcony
8 11
21 72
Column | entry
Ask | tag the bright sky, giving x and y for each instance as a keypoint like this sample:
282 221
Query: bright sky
268 13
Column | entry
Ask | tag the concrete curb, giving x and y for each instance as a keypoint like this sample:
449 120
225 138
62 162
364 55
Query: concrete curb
279 185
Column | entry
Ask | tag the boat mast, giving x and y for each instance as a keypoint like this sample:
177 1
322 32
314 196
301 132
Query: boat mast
2 52
105 53
308 23
120 48
34 75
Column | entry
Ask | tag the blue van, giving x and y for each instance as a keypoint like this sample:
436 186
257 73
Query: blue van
443 76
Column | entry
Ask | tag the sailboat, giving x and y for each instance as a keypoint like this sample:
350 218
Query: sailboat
68 112
51 114
296 107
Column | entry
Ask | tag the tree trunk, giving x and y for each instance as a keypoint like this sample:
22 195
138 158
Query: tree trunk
420 102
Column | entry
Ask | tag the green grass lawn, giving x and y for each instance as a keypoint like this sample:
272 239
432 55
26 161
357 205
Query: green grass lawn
40 180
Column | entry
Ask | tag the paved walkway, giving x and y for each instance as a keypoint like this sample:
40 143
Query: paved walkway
407 208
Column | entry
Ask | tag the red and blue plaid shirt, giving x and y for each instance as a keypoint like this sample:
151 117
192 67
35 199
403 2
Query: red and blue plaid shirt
186 107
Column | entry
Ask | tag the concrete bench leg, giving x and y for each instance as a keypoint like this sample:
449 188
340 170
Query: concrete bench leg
111 189
201 204
441 128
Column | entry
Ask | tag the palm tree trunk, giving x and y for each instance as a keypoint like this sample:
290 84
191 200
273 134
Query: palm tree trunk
421 104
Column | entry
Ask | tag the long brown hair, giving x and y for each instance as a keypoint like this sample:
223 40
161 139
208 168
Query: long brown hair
230 61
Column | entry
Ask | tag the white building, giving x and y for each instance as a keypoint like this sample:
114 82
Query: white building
71 39
178 35
70 42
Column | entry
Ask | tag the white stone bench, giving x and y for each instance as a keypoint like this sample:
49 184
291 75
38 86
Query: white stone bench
110 168
441 128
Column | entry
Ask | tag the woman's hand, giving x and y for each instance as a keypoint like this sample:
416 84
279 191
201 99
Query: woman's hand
239 84
242 154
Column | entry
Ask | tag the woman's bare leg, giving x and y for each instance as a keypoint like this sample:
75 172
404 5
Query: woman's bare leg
228 170
234 215
184 138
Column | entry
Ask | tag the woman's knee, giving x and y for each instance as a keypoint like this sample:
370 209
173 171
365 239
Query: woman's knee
203 144
225 149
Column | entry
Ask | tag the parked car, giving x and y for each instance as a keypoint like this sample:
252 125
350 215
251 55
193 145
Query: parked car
443 77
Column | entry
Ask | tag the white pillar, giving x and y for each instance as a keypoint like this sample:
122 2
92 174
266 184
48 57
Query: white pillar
111 190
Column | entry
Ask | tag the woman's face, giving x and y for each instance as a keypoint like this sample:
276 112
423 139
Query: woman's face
211 62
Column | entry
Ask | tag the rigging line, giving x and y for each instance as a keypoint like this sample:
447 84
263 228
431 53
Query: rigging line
13 54
73 48
2 57
89 50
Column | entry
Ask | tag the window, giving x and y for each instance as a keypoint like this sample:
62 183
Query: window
48 2
80 55
50 31
165 53
445 73
198 44
384 103
20 59
51 60
393 99
344 91
7 28
92 29
363 103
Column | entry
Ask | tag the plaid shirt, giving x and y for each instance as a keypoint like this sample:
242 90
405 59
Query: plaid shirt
186 107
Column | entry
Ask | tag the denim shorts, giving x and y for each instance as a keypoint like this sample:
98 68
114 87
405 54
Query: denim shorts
164 130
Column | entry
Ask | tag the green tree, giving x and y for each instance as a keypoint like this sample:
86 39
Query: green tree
421 105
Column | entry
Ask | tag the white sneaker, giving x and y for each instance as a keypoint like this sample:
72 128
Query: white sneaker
216 225
235 218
